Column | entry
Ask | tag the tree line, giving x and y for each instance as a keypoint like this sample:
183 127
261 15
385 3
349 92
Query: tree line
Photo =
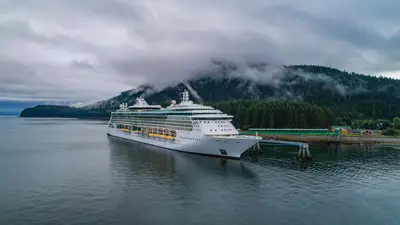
294 114
63 112
275 114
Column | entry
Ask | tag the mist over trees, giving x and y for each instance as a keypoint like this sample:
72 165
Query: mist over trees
301 96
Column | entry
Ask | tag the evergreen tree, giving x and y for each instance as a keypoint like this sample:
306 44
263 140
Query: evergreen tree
265 117
396 123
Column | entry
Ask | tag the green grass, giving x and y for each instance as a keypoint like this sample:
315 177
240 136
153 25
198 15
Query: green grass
291 133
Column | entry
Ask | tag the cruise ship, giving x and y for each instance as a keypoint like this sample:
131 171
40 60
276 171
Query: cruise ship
185 127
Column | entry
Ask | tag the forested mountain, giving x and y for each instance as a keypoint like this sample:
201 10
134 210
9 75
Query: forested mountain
347 96
276 114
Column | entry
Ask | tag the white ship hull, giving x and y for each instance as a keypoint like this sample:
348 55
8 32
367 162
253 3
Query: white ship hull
227 147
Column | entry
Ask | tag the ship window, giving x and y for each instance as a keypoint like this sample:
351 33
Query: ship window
210 129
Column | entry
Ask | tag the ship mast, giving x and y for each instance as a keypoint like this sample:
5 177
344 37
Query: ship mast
185 96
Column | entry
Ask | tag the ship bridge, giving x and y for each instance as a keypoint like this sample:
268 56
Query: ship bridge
187 104
142 105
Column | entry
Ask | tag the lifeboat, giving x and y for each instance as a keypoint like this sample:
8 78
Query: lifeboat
169 137
125 130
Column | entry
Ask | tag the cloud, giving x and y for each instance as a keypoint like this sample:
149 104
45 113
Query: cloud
83 64
83 51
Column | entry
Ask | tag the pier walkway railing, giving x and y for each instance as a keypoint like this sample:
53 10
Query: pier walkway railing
290 131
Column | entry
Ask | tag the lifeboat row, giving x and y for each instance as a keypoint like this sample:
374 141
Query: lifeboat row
161 136
153 132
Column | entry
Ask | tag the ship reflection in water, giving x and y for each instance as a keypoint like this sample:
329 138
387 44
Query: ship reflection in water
174 187
135 158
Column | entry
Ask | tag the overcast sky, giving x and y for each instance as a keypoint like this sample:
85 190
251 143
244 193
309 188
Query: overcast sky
88 50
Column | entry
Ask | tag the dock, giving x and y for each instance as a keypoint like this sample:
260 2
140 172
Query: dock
325 136
303 154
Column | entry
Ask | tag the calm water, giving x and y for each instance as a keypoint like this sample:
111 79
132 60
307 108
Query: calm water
67 171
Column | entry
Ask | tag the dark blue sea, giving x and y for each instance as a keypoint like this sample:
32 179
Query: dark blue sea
68 171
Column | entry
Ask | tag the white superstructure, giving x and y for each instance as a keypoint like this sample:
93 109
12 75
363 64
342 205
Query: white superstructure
186 127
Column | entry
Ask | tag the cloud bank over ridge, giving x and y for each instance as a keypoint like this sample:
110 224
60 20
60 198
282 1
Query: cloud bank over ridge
70 50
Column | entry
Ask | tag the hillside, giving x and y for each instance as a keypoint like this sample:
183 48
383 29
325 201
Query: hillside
349 96
63 111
